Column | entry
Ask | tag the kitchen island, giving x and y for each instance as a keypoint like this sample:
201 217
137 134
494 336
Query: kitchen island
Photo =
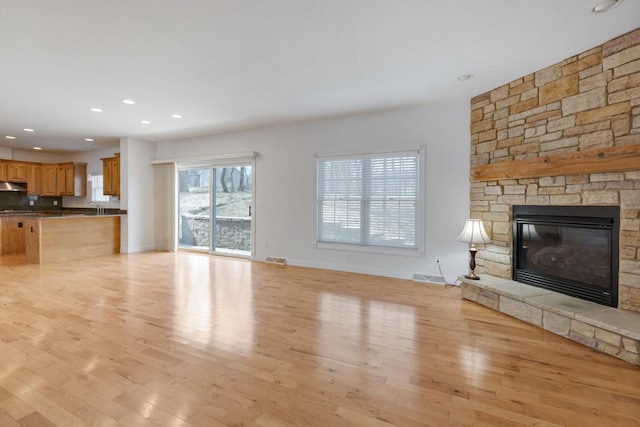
59 238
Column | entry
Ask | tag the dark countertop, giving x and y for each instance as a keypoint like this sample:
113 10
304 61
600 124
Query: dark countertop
29 213
61 212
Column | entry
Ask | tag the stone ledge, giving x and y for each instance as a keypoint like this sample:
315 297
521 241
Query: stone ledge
605 329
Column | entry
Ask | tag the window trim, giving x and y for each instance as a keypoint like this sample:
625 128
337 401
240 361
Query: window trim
418 251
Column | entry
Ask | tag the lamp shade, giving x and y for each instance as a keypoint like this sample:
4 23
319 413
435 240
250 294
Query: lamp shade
529 233
474 232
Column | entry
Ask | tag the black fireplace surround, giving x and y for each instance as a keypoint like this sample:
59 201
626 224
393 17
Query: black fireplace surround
568 249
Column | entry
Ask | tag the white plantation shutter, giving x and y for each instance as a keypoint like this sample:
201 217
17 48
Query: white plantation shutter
369 200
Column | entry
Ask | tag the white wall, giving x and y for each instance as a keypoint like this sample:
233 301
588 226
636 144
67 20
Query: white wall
38 156
136 176
6 153
94 167
285 193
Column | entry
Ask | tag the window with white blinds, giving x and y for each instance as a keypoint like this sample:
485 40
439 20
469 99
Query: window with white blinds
369 200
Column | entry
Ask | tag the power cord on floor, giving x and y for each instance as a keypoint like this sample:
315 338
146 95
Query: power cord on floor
447 285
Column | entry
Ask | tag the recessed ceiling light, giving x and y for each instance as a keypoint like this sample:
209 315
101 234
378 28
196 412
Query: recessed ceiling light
145 122
28 130
89 139
176 116
96 109
10 137
37 148
605 6
465 77
129 101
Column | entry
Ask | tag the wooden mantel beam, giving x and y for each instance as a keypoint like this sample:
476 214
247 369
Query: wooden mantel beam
610 159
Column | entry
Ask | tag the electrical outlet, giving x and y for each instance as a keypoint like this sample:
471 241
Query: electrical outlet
55 203
31 203
438 259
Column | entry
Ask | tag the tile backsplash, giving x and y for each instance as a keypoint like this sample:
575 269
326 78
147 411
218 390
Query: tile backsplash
18 201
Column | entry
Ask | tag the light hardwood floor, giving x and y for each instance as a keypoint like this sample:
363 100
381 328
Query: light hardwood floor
190 339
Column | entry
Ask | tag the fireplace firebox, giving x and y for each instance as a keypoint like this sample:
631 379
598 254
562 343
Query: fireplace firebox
568 249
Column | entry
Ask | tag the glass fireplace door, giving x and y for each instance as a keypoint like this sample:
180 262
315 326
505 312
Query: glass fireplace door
568 249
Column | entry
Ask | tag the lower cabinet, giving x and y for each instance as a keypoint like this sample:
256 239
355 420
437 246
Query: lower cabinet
12 230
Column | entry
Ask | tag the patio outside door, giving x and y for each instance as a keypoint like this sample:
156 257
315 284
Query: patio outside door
215 211
194 208
233 210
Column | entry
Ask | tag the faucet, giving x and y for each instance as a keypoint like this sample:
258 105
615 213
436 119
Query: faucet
99 209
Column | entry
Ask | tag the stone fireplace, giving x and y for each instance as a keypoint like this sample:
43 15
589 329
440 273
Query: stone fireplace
567 135
572 250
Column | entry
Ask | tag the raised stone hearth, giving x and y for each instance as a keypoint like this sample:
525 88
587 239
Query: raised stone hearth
605 329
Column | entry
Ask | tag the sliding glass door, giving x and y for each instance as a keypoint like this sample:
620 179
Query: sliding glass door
194 208
215 209
233 210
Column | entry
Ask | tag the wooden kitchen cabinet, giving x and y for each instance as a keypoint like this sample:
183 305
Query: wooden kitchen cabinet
49 175
48 179
111 175
17 172
71 179
13 236
107 168
64 179
34 178
61 181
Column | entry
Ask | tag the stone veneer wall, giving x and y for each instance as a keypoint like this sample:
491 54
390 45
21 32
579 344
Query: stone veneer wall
231 232
585 102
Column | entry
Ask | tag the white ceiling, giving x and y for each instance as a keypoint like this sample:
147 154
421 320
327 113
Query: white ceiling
232 64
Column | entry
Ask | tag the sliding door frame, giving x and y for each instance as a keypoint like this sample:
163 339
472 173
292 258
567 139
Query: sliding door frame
214 167
212 161
214 177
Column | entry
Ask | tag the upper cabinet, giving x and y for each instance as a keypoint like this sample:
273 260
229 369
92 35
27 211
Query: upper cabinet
72 179
34 179
111 175
47 179
17 172
49 176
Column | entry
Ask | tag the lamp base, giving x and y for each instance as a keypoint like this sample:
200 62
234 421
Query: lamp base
472 264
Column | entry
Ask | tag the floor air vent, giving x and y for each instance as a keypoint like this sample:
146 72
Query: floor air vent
426 278
277 261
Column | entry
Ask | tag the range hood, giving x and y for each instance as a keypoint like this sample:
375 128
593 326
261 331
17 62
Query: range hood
13 186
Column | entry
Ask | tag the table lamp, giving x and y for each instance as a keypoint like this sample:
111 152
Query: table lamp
473 233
